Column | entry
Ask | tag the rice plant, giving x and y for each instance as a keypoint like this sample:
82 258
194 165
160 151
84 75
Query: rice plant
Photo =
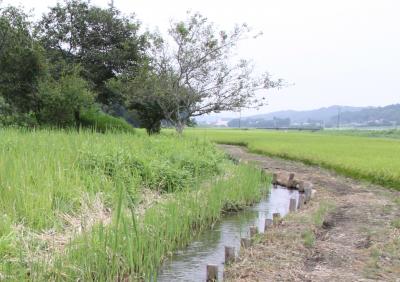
80 205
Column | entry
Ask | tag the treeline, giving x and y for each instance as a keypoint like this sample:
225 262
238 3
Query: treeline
79 65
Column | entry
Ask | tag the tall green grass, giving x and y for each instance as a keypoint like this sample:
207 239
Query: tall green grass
46 176
102 122
45 172
373 159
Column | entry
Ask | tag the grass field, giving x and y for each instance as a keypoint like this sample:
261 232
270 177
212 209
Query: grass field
373 159
89 206
388 133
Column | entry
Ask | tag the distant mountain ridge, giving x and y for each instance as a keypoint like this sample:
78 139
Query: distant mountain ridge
323 117
388 115
323 114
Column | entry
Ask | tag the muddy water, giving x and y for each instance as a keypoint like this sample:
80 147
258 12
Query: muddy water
189 264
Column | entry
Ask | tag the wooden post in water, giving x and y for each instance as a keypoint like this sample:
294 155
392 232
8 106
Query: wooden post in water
301 201
253 231
290 180
301 186
212 272
229 254
292 205
276 218
267 224
307 193
245 242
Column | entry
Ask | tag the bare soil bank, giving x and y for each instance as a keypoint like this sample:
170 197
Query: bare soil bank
349 232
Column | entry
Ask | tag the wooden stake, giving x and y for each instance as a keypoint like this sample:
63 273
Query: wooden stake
276 218
212 272
253 231
313 193
292 205
290 182
301 201
301 186
245 243
307 194
229 254
267 224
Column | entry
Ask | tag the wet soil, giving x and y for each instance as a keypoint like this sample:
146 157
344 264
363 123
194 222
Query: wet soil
358 240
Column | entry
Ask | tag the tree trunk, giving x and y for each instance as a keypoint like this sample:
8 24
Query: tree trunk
179 126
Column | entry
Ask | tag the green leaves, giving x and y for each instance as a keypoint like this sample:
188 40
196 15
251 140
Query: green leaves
21 61
102 41
62 101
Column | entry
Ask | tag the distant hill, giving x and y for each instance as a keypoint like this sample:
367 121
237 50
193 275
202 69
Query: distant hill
318 116
327 117
303 116
388 115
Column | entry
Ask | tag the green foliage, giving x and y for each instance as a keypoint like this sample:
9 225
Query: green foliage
319 215
373 159
175 171
101 40
9 116
102 122
21 61
309 238
62 101
140 95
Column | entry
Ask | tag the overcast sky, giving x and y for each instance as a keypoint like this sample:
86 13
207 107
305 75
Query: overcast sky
338 52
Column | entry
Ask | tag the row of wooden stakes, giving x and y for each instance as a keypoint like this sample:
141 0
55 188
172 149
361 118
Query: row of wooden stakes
212 269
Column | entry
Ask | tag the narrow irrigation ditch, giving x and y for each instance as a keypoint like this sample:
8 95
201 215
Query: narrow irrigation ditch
204 258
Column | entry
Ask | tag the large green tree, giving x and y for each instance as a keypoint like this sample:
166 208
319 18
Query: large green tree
104 42
21 61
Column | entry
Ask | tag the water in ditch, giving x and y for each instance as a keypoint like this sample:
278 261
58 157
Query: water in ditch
189 264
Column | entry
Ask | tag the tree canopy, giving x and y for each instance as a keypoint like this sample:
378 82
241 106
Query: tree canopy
193 72
104 42
21 62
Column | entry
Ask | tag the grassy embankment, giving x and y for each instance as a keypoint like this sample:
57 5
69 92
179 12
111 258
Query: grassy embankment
87 206
373 159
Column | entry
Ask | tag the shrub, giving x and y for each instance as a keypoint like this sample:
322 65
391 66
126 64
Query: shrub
62 101
10 117
101 122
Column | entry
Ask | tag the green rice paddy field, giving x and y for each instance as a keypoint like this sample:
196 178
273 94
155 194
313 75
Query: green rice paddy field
83 206
356 155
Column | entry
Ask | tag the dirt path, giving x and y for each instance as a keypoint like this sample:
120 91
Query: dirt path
349 232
